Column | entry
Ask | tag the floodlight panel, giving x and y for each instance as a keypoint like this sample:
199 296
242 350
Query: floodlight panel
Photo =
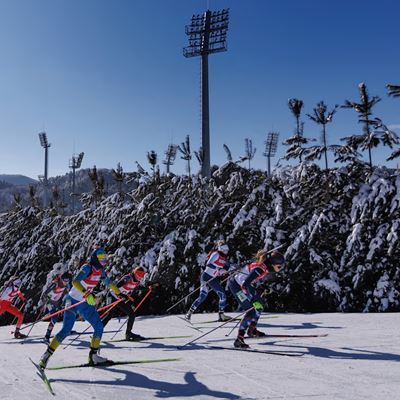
43 139
80 158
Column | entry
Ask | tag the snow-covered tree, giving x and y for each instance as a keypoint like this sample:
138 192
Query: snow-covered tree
249 151
170 155
184 148
368 139
296 142
321 117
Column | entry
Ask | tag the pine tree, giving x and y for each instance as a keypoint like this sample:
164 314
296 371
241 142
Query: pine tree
200 156
32 195
152 159
368 139
17 200
184 148
394 90
170 155
119 177
249 151
321 117
228 153
296 141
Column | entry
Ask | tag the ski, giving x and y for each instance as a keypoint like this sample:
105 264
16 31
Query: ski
114 363
190 324
287 336
250 350
150 338
233 319
42 375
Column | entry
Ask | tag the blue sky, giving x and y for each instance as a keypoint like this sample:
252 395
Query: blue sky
109 78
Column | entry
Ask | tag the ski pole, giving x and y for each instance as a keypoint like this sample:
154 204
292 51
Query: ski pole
237 323
136 309
107 309
214 329
198 288
19 309
47 317
37 319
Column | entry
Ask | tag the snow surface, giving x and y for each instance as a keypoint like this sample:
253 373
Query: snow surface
359 359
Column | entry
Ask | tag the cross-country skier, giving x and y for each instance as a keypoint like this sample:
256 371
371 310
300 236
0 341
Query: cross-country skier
88 277
242 286
11 290
217 265
126 285
53 296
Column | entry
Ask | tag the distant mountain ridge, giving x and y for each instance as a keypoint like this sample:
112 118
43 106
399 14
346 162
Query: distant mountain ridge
18 180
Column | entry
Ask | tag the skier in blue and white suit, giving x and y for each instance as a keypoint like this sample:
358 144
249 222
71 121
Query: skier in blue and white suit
217 265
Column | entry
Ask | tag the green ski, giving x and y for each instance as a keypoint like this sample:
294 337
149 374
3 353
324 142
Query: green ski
42 375
150 338
233 319
114 363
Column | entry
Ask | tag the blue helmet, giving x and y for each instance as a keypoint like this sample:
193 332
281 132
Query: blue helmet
99 258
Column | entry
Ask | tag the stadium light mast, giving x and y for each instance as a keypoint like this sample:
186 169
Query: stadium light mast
75 163
43 178
207 35
271 145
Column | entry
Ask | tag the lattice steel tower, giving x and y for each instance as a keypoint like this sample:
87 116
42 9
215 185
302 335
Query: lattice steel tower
207 35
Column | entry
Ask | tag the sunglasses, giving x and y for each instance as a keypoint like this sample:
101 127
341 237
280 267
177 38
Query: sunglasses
102 257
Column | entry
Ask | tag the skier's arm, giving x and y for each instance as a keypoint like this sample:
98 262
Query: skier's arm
252 276
112 285
47 292
21 296
82 274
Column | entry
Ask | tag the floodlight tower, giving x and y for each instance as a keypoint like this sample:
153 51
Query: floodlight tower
74 163
207 35
271 145
43 178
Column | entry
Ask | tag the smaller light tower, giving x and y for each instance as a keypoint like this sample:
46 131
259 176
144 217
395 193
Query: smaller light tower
43 178
75 163
271 145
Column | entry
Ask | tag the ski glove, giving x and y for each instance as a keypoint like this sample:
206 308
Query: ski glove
90 299
258 306
124 297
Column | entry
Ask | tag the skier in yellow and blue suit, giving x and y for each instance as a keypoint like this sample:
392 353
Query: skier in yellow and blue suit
89 276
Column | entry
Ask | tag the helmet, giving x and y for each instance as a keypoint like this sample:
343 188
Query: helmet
17 283
66 277
223 248
139 272
99 258
276 258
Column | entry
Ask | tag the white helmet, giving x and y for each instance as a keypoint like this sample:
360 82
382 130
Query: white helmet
17 283
223 248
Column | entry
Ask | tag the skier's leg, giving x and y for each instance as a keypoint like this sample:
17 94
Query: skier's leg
202 296
216 286
68 323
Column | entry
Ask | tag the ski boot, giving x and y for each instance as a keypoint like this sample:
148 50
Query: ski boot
133 337
240 344
19 335
188 315
97 359
45 358
254 332
222 317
